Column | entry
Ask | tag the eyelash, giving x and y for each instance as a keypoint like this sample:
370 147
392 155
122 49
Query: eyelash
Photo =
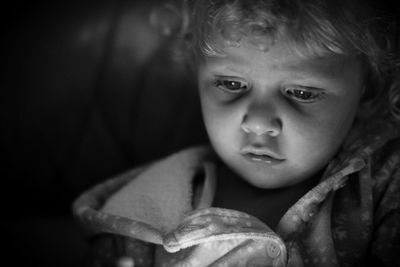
301 94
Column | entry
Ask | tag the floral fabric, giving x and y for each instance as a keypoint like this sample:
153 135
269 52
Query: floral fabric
352 217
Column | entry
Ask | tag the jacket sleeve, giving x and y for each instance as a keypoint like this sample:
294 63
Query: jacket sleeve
385 245
111 250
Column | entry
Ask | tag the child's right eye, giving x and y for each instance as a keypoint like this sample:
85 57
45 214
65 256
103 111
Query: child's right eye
233 86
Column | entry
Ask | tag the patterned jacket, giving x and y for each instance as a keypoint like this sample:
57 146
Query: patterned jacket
148 216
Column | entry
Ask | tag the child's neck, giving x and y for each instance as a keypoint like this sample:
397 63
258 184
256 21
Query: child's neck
268 205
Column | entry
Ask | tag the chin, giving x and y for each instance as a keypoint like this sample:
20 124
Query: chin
265 182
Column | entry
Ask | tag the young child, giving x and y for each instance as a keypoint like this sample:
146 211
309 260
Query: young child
300 100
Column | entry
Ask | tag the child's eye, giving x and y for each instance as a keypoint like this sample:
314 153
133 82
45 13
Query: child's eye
233 86
304 95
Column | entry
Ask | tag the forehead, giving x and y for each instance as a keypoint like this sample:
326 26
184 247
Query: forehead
285 58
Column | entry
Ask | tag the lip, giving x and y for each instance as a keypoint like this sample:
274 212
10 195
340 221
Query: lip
261 154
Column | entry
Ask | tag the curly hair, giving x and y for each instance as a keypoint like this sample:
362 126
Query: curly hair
315 27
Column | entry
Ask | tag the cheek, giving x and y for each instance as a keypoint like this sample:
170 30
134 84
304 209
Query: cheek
212 119
339 119
222 122
318 137
219 125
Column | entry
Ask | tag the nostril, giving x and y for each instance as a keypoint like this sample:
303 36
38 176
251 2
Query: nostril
245 128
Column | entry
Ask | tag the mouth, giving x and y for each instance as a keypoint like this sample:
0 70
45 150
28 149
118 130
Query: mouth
263 155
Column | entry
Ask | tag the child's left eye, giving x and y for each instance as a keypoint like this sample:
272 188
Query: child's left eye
305 95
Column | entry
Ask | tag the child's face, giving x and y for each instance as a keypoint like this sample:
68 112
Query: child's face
277 118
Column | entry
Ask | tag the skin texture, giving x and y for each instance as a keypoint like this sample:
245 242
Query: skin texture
276 118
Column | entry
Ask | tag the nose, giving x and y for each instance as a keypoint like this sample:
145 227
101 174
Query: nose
261 120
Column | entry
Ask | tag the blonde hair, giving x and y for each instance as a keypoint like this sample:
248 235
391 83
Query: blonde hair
316 27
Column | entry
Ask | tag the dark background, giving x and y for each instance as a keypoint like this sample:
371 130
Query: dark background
88 90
